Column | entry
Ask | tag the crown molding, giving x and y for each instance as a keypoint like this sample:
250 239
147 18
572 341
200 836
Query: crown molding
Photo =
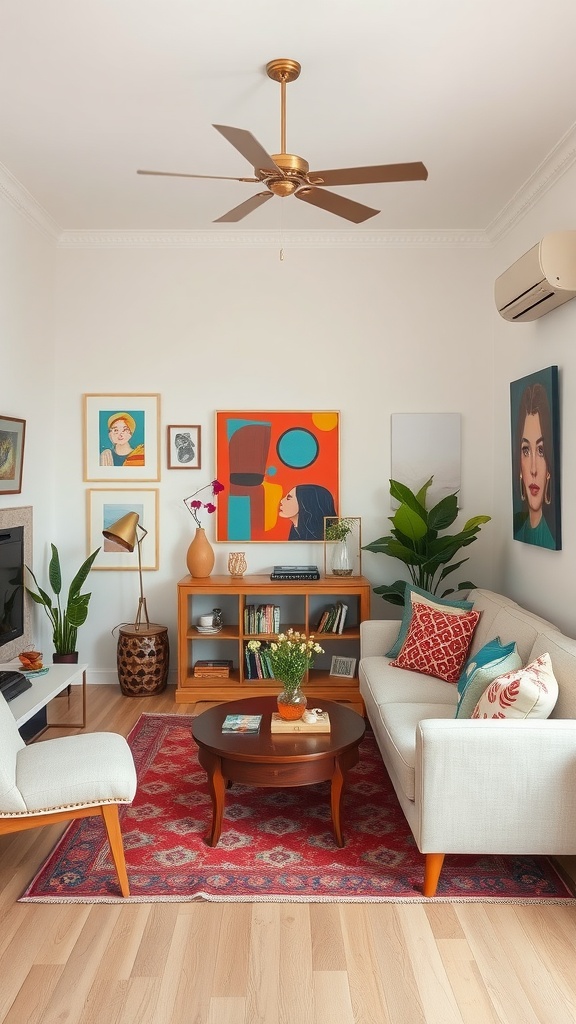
24 203
554 165
272 239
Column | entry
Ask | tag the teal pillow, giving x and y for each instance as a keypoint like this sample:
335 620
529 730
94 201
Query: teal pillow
438 602
494 650
480 676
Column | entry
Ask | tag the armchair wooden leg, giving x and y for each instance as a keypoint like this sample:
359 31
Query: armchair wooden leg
432 868
112 823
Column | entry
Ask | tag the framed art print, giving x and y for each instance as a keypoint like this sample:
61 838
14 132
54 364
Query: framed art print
280 472
183 447
121 438
106 507
535 430
12 433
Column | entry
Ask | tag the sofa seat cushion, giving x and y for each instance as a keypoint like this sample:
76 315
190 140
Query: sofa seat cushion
397 737
381 683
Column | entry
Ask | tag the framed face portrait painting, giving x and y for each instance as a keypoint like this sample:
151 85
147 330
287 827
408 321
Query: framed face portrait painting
535 430
121 438
280 472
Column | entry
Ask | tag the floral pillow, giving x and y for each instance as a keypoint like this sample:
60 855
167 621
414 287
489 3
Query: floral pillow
529 692
415 595
437 643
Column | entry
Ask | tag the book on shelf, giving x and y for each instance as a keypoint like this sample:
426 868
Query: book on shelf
322 724
242 723
333 618
295 572
262 618
213 668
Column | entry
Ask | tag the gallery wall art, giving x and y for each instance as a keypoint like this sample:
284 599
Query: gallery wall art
535 431
12 435
121 438
280 472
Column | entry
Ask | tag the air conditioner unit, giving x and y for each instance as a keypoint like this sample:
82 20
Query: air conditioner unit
543 278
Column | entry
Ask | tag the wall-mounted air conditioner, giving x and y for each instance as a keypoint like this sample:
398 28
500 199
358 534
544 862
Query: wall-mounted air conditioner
543 278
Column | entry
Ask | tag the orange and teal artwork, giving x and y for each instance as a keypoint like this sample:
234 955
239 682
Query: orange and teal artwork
280 472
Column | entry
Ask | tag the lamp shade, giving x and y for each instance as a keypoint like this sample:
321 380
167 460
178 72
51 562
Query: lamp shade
123 531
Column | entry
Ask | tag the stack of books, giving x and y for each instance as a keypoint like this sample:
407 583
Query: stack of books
258 663
249 724
333 618
295 572
262 618
215 668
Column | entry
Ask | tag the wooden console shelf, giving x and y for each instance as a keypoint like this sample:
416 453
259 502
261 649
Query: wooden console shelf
301 606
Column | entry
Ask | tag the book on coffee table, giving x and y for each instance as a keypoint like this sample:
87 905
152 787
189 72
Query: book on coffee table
242 723
322 724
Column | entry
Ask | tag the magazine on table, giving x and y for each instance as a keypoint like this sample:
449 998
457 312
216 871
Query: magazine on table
242 723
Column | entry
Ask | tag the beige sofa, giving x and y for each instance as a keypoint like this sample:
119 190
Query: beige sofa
469 785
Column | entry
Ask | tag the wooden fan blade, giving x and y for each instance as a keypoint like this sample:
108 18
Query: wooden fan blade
369 175
250 148
211 177
244 209
333 203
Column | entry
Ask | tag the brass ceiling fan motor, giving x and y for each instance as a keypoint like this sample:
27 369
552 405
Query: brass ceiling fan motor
286 174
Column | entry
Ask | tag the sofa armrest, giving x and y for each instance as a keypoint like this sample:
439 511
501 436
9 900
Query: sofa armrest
496 786
377 636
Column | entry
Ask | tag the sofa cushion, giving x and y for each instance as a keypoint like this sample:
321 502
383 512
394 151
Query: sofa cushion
529 692
504 618
397 737
437 643
494 650
414 595
481 674
562 651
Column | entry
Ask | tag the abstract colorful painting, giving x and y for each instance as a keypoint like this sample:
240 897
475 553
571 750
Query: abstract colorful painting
535 423
280 472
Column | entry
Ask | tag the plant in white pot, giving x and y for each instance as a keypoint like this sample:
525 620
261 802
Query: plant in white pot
66 620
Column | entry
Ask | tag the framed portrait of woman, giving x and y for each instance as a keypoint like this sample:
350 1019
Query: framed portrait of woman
280 471
121 438
535 431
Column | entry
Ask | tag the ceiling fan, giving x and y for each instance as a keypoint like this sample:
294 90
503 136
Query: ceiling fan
286 174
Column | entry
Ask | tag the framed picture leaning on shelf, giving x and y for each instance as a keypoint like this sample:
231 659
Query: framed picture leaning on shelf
121 438
183 447
281 470
12 433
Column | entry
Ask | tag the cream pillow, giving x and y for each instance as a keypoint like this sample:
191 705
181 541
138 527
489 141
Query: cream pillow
529 692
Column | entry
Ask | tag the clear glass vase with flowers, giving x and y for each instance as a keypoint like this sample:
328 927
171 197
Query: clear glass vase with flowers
290 656
200 555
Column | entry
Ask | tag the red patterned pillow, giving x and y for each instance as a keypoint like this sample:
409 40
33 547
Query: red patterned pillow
437 644
529 692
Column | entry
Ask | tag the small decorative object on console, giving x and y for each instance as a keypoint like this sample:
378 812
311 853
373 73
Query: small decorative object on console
237 564
320 723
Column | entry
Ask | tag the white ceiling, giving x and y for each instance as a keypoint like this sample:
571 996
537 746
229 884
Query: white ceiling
482 91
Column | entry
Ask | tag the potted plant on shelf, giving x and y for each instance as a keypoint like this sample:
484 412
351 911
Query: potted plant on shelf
415 540
65 621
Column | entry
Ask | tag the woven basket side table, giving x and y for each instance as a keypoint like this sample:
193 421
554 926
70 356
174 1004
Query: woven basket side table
142 659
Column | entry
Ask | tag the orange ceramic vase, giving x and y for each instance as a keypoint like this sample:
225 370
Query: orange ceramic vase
200 555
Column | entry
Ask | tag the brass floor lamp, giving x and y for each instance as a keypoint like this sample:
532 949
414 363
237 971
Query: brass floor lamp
143 650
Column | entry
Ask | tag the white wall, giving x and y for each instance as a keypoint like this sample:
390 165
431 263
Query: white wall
27 368
540 579
369 332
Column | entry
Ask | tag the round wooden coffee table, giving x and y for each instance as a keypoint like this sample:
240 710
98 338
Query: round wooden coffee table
279 759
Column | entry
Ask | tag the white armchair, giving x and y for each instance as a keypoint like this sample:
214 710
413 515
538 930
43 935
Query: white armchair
60 779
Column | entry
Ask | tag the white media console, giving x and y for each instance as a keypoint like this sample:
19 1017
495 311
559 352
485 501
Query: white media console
44 688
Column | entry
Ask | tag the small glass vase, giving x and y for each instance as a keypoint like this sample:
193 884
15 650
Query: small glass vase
291 704
341 561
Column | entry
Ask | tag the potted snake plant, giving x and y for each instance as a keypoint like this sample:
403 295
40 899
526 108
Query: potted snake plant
65 619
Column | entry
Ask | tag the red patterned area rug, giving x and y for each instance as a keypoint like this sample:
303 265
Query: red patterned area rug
276 844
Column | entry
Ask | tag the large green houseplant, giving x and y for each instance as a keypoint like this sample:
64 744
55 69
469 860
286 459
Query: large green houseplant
65 620
415 539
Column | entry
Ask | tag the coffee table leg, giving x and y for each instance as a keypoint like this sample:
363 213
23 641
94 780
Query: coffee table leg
335 797
217 787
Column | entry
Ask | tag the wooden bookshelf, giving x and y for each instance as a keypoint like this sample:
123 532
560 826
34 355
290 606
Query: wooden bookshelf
302 603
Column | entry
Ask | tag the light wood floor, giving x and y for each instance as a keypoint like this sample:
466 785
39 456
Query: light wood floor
266 963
